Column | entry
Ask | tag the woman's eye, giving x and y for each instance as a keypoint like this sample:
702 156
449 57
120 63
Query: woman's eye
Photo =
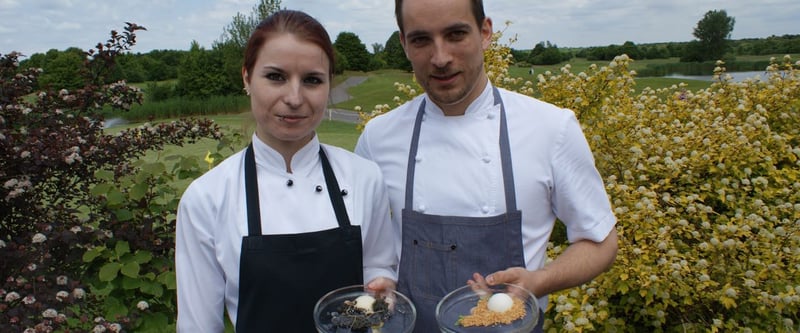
274 77
313 80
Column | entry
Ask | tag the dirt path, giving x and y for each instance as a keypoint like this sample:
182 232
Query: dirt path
339 94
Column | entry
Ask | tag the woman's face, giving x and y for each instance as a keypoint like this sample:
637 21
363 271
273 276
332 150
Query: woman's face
288 89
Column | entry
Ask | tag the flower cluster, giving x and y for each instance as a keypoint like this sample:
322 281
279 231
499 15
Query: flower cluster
705 185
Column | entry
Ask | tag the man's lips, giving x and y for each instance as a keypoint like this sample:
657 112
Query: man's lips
444 78
291 118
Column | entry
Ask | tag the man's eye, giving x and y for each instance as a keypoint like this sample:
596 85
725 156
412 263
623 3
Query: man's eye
458 35
419 40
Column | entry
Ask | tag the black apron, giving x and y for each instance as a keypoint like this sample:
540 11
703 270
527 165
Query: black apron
440 253
281 277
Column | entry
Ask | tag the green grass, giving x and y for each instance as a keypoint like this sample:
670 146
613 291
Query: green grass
377 89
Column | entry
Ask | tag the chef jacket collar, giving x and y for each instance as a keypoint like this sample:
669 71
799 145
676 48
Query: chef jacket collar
303 161
479 108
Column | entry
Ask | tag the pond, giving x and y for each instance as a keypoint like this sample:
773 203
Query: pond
737 76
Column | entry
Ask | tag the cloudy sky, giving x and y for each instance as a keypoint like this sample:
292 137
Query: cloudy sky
35 26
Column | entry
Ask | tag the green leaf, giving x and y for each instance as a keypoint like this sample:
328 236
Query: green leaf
122 248
123 214
139 190
131 283
93 253
152 288
114 307
104 175
131 269
142 256
168 279
114 197
109 271
102 288
100 189
155 322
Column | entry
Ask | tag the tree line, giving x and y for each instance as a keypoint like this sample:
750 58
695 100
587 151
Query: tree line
202 73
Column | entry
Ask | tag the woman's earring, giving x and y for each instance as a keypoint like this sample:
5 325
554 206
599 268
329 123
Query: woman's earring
246 91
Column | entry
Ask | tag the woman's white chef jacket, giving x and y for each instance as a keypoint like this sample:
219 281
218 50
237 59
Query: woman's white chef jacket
554 171
212 219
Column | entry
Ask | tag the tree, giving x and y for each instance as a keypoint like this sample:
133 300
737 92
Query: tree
394 54
713 32
351 47
545 53
239 30
218 71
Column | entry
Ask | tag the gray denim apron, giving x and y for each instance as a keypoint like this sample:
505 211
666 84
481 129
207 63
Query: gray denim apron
440 253
281 277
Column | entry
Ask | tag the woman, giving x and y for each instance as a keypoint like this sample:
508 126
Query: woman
274 227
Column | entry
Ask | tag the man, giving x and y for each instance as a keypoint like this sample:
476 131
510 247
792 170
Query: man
466 209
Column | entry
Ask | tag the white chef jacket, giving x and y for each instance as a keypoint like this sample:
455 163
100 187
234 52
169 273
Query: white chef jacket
459 173
212 219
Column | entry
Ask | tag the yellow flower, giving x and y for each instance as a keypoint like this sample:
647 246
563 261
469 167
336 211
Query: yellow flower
209 160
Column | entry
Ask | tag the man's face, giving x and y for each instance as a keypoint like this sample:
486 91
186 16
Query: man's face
445 46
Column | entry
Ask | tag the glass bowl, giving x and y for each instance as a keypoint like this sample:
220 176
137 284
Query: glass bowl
402 317
460 302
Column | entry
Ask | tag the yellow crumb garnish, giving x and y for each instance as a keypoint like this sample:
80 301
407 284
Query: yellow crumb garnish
482 316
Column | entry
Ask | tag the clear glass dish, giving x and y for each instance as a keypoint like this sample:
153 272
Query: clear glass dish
460 302
402 313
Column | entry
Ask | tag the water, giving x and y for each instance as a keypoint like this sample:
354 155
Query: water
108 123
737 76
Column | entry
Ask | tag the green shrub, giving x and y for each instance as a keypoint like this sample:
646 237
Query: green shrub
87 231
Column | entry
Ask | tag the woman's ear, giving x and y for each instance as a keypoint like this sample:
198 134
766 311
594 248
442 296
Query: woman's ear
245 81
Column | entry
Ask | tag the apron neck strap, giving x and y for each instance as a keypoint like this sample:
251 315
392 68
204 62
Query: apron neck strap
251 191
505 156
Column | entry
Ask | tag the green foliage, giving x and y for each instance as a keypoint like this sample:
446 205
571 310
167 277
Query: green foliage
395 55
705 186
545 53
87 230
712 33
63 70
354 51
241 27
199 75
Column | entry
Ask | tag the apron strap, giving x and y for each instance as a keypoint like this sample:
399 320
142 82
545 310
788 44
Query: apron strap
333 190
412 157
251 191
505 155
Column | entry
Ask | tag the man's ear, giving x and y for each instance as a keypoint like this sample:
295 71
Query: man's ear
486 33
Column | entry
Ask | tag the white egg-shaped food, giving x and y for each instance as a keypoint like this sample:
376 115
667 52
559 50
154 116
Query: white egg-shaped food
500 302
365 302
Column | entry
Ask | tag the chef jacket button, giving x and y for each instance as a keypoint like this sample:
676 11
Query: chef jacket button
289 182
319 188
421 208
486 159
418 158
344 192
490 116
485 209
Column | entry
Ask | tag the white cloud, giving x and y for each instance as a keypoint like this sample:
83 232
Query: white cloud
32 26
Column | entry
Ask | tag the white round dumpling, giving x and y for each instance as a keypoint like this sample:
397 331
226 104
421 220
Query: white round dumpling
500 302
